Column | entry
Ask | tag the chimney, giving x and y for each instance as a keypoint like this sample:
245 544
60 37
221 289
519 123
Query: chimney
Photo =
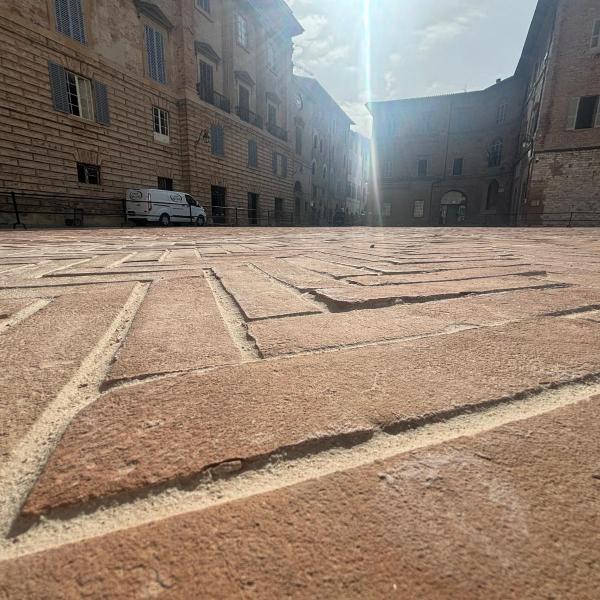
498 81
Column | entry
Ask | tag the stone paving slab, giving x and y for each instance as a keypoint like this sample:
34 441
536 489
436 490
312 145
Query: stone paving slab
182 426
510 513
357 297
178 328
41 354
260 298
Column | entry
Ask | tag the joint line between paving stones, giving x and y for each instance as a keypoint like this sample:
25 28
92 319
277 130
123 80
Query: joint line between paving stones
233 318
276 471
27 461
24 313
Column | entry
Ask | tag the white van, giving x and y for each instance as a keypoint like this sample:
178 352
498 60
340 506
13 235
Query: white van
164 207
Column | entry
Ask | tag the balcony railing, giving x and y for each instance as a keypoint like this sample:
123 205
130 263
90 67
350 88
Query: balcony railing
218 100
277 131
245 114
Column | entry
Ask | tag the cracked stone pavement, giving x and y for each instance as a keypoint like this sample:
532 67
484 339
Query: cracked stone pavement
300 413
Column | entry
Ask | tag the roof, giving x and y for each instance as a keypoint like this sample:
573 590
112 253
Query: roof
315 86
280 14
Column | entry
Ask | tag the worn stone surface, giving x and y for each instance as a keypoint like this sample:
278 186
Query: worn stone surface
511 513
243 347
175 428
178 328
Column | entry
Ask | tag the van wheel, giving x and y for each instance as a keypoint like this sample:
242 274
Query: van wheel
200 221
165 220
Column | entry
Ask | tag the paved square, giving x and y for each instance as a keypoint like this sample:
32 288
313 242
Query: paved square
297 413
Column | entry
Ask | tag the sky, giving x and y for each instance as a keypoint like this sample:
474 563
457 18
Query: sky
416 47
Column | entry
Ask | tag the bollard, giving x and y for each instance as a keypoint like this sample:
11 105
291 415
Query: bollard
17 215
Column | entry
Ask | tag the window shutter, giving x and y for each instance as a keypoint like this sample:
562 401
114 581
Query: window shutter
597 121
573 108
150 51
217 139
160 57
252 153
58 87
76 21
101 100
61 8
284 166
274 163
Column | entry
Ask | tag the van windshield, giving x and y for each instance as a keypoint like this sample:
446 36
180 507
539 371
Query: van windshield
190 200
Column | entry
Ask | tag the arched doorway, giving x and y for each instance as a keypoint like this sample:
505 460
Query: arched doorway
453 209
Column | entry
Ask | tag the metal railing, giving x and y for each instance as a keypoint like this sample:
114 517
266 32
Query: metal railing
277 131
245 114
218 100
38 209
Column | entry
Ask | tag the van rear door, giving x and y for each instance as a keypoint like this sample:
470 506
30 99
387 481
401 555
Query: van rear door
137 204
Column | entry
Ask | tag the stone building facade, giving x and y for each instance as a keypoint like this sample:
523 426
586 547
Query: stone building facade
359 169
100 95
524 151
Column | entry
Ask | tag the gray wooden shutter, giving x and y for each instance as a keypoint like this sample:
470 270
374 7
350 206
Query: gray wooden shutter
597 121
58 87
284 166
69 19
76 21
274 163
150 51
217 139
160 57
252 153
573 108
101 100
155 51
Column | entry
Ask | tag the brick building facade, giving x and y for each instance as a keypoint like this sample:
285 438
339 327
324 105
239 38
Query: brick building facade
98 96
524 151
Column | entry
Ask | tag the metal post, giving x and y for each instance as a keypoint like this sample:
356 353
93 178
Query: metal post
17 215
570 219
236 216
268 218
191 216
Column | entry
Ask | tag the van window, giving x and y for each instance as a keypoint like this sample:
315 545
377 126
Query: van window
190 200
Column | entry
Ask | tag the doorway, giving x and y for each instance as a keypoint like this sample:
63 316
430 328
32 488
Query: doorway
454 209
218 204
253 209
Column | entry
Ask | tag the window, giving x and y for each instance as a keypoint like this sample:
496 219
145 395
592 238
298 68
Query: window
241 31
321 146
501 113
75 95
271 114
387 210
271 57
69 19
315 141
80 96
89 174
206 87
165 183
422 167
203 5
419 209
388 168
584 113
155 54
457 168
299 133
217 140
495 154
313 167
595 43
492 196
252 154
161 124
324 173
279 165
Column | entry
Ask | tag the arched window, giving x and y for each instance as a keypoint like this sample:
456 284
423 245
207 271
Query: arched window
491 202
495 153
324 171
315 141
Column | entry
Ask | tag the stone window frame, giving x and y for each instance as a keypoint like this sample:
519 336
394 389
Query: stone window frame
574 114
84 174
501 112
462 166
252 154
272 63
203 6
148 25
496 153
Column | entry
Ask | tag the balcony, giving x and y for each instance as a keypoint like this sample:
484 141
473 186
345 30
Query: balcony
245 114
217 100
277 131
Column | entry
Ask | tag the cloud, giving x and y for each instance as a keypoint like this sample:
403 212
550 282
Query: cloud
447 23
